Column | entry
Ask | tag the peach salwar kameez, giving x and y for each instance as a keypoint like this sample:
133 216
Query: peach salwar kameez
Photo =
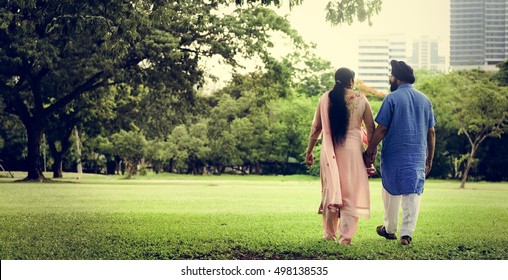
344 179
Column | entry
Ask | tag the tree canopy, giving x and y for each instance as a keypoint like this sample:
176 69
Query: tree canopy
53 52
472 104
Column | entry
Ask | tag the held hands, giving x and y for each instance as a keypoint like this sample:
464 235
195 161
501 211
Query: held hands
371 170
369 157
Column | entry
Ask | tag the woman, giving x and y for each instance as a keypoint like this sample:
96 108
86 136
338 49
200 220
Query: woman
344 180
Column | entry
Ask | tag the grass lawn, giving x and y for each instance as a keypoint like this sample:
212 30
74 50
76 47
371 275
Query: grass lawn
180 217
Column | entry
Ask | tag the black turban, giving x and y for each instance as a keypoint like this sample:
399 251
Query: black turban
402 71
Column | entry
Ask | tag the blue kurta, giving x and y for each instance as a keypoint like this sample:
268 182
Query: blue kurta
408 115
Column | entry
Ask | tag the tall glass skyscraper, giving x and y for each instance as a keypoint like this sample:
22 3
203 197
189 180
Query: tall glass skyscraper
478 33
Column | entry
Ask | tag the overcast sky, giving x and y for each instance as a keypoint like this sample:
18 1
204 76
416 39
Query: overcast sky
339 44
411 18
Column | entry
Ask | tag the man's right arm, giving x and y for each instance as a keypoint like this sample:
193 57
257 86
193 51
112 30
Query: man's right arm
370 153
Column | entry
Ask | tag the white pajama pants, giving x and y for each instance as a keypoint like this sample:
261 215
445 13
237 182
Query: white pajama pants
410 208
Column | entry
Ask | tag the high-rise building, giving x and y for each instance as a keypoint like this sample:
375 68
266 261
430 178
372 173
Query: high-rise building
425 55
478 33
374 56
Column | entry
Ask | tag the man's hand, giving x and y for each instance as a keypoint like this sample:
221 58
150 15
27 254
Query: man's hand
428 167
369 157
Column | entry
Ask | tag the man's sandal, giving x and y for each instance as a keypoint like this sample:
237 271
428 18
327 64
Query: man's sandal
405 240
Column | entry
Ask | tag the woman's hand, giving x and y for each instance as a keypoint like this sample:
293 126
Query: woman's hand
371 170
309 159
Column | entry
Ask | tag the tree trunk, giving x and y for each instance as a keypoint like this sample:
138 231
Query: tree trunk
170 166
34 158
452 164
194 169
95 163
122 167
57 158
118 166
111 166
79 165
469 163
132 169
57 165
258 168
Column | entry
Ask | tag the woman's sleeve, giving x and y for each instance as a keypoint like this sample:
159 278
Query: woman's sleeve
315 131
368 120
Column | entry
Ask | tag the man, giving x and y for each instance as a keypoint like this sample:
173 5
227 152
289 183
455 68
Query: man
406 125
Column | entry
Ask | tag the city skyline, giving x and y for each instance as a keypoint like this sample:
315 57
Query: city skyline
411 19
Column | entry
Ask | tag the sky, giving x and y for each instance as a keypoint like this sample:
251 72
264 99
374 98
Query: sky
338 44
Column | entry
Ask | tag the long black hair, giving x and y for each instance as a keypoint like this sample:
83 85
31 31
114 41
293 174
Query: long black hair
338 112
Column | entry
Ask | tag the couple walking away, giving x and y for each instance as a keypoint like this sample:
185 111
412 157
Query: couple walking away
344 121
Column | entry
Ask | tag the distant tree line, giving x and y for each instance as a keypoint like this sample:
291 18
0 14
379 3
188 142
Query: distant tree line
116 87
259 124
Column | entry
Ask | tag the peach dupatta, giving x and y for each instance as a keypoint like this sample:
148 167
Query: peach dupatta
349 190
330 177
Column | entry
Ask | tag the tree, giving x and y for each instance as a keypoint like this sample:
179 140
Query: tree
222 141
345 11
59 140
96 153
52 52
13 137
370 92
158 153
313 75
493 159
189 147
449 145
198 147
476 106
338 12
243 107
290 124
502 74
130 146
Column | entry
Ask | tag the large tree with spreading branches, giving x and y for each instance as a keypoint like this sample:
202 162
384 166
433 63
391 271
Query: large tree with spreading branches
52 53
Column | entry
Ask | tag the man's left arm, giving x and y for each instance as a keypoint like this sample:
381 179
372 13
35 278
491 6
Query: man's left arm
431 145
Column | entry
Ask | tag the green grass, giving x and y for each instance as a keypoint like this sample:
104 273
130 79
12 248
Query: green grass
233 217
